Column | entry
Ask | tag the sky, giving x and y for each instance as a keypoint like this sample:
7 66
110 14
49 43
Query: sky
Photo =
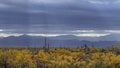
88 18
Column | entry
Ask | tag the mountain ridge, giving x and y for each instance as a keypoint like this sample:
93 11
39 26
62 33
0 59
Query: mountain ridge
68 41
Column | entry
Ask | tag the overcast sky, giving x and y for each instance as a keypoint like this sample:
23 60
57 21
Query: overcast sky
91 18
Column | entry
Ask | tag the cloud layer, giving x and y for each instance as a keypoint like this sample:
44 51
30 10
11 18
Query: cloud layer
93 18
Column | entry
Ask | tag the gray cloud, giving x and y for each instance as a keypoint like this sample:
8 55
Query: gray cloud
58 16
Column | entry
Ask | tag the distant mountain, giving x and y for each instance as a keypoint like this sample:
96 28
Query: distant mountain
116 45
72 37
66 41
112 37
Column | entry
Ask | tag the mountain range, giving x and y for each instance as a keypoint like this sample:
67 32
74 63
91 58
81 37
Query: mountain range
65 41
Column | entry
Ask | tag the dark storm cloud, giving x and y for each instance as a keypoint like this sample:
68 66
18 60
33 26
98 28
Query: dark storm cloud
45 16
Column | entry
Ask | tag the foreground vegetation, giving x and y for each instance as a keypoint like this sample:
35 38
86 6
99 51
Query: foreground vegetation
83 57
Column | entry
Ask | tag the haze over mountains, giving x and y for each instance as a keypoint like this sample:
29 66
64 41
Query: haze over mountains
65 40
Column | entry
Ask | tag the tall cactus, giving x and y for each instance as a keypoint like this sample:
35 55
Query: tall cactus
46 45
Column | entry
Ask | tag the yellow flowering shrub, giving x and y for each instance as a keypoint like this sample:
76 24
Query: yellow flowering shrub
58 58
